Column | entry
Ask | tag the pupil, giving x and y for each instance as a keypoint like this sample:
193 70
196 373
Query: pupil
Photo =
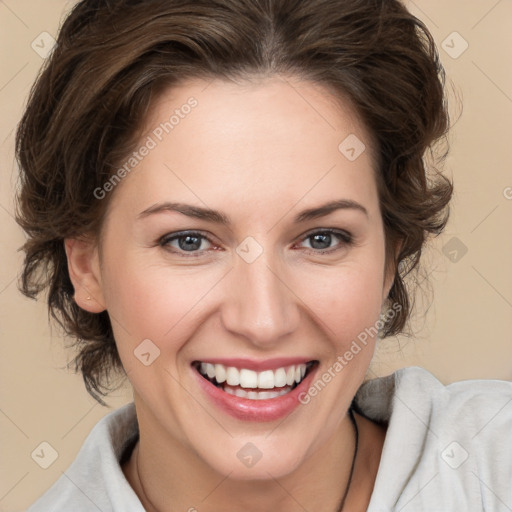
323 239
191 243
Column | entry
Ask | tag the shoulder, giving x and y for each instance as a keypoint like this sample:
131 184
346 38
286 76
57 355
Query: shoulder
446 445
95 479
415 389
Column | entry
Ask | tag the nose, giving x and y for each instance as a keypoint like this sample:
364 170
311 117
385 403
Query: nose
259 303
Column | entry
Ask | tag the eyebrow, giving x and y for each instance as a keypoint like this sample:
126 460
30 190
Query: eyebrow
218 217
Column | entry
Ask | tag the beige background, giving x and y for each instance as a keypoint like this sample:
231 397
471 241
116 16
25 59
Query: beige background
467 333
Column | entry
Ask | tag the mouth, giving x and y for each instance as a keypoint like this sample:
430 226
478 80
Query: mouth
255 385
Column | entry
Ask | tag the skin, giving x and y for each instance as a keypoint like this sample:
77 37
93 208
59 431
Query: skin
260 152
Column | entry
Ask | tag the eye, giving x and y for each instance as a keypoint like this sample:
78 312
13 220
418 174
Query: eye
193 242
322 241
185 242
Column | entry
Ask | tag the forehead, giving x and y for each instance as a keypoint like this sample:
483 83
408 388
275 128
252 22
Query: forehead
264 109
264 140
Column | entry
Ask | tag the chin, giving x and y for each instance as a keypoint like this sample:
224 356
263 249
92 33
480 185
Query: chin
255 458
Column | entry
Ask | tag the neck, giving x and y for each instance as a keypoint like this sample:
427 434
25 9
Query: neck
167 475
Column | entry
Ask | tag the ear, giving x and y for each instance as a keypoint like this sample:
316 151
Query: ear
84 272
390 272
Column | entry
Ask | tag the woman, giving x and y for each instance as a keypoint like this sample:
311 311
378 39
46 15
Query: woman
225 198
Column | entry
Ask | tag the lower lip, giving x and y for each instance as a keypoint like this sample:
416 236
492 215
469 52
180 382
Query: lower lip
255 410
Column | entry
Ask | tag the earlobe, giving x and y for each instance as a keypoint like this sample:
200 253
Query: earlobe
84 272
390 273
388 283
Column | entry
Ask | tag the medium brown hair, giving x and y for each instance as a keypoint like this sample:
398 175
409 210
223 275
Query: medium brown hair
113 56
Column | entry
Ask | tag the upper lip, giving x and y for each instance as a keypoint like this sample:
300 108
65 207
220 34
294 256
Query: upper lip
255 364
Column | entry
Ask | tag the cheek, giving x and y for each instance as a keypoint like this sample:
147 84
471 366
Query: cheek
154 301
346 300
350 317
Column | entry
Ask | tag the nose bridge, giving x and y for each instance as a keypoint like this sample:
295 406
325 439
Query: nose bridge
258 304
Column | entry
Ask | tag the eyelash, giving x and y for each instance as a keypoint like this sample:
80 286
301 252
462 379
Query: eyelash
345 238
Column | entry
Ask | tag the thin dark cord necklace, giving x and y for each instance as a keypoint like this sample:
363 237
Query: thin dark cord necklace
356 432
141 485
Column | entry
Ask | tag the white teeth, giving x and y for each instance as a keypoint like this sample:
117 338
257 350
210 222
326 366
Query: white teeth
290 376
220 373
210 370
280 378
257 395
232 376
266 379
249 379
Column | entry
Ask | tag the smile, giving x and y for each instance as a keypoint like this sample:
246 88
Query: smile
246 383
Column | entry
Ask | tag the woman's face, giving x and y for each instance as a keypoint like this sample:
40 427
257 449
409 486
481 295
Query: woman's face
245 237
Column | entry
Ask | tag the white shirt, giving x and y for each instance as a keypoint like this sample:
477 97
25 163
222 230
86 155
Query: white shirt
447 448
